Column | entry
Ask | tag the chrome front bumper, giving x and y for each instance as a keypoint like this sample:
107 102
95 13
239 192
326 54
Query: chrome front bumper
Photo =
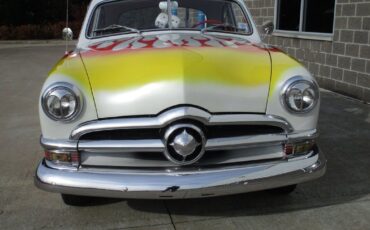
180 184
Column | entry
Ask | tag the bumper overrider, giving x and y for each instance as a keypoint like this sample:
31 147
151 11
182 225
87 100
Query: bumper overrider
183 144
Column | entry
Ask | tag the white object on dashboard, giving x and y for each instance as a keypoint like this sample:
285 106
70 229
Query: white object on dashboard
162 20
163 5
175 21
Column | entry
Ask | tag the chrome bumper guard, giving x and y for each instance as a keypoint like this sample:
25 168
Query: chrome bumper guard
179 185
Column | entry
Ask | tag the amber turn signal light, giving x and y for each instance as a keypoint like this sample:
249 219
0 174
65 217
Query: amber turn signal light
298 148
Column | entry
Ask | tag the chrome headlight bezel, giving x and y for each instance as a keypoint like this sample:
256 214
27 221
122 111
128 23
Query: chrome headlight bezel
290 85
63 89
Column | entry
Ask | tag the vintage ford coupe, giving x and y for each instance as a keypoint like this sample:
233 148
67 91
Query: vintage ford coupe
176 99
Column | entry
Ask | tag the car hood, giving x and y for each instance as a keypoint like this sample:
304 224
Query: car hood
146 75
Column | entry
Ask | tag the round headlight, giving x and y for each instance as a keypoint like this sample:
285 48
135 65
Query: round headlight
300 96
62 102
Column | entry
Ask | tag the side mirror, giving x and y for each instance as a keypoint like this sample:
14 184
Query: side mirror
67 34
268 27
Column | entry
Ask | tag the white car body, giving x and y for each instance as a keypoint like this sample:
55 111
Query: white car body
183 100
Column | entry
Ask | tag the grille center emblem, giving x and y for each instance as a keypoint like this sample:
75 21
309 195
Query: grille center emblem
184 144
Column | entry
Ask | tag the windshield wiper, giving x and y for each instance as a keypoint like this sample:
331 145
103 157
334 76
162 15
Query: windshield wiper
205 29
215 26
116 27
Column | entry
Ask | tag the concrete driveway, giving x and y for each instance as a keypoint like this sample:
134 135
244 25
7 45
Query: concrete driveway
339 200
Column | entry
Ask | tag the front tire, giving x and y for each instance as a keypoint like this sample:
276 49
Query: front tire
73 200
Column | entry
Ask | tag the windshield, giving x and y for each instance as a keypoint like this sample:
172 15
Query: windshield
136 16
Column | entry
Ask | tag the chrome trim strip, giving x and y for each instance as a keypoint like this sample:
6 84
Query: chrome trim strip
157 145
53 165
244 142
310 134
121 146
170 116
251 119
175 185
230 143
50 144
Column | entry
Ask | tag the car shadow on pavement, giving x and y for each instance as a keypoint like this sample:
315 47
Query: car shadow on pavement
345 131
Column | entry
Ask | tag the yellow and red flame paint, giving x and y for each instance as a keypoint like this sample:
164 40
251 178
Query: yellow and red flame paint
222 61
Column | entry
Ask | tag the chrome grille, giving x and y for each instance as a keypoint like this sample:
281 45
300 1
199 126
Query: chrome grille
138 142
157 160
